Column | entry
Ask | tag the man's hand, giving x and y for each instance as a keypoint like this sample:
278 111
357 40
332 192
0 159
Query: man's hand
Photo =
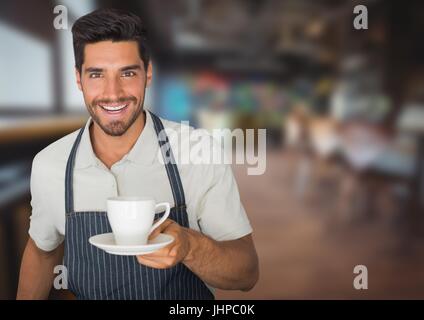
175 252
228 265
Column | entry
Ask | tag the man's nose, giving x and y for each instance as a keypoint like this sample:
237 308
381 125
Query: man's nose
113 88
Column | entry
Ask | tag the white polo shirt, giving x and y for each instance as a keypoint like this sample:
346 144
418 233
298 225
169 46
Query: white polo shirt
211 193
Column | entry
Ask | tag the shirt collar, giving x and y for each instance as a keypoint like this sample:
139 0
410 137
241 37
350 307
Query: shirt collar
143 152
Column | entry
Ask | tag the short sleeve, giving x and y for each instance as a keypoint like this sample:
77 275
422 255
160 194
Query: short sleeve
221 214
42 228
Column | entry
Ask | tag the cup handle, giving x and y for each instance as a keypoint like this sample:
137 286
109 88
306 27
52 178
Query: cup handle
164 217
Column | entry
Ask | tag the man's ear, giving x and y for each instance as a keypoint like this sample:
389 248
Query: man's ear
78 77
149 74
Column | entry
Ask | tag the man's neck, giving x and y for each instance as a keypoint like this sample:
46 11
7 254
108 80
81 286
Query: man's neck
110 149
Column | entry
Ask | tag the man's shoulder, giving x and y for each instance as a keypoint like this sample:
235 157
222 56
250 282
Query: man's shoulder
57 152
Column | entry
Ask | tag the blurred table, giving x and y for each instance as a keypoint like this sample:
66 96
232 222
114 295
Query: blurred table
418 187
16 129
411 122
415 206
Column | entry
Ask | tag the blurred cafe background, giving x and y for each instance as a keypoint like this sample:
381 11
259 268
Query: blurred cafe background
343 109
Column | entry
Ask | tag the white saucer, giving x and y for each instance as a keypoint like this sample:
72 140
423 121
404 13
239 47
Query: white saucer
106 242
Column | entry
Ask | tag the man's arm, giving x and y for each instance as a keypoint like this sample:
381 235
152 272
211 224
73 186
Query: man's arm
228 265
36 275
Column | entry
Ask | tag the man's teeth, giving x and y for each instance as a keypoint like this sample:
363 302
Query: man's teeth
114 108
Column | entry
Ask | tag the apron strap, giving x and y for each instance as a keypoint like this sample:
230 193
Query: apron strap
171 167
69 190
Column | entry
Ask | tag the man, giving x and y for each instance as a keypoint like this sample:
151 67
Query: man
116 153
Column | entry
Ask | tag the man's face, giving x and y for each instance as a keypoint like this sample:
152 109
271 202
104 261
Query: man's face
113 81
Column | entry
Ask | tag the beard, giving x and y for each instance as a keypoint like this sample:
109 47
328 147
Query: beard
116 128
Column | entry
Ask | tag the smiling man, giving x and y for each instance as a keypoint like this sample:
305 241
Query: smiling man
116 153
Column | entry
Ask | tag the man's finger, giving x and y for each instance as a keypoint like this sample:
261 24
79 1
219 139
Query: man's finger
149 263
163 252
161 228
160 263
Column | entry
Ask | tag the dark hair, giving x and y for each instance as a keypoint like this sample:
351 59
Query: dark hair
108 24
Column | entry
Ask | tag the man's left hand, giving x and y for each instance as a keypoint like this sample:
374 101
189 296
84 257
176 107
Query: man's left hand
173 253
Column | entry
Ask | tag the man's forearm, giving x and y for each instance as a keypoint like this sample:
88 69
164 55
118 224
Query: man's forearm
36 275
223 264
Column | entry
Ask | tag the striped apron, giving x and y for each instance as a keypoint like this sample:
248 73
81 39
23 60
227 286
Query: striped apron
94 274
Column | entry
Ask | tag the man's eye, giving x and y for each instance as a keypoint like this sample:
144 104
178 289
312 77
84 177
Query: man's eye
128 74
95 75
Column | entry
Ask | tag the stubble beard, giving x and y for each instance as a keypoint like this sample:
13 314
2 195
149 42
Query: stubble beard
117 128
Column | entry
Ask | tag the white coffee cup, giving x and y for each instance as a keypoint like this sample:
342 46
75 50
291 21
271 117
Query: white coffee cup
131 218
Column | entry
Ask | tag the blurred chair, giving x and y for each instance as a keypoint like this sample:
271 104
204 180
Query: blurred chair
362 145
295 141
324 144
324 138
295 128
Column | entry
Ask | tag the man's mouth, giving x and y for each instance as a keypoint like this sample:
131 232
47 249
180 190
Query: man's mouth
114 109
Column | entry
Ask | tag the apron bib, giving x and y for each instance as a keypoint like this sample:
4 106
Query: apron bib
95 274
